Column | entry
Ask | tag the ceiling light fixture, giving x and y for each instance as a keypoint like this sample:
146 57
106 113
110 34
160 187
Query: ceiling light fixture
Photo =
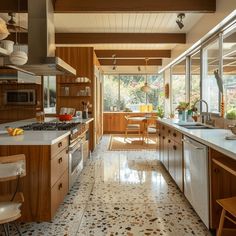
179 20
146 88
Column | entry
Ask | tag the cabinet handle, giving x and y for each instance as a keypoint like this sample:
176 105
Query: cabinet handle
67 151
60 186
169 131
216 170
163 137
174 147
159 135
59 144
174 134
169 141
60 160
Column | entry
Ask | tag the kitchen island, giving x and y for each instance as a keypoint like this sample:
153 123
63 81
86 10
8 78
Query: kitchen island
47 167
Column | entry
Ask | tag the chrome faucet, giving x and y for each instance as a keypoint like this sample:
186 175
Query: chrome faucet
208 121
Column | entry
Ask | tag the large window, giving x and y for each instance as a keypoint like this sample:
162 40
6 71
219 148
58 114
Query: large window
195 77
49 90
229 69
124 91
178 83
210 90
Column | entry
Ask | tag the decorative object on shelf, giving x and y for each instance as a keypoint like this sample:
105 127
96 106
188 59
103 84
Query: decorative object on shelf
12 25
18 57
167 91
8 45
3 29
83 80
146 88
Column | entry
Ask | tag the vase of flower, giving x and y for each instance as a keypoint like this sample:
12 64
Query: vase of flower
182 111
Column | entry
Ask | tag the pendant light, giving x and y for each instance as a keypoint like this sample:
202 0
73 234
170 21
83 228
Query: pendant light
146 88
18 57
3 29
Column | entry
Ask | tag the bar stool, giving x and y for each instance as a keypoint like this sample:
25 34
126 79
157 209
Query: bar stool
11 168
229 206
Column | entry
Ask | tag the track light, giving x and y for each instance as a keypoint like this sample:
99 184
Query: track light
179 20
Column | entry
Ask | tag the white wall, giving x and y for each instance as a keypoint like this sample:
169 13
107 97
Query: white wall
203 26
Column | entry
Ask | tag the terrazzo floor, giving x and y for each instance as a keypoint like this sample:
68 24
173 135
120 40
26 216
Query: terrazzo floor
122 193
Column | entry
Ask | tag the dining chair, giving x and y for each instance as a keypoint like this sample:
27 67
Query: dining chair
131 127
150 128
11 168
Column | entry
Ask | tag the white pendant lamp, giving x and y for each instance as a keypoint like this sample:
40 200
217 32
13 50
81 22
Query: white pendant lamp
3 29
146 88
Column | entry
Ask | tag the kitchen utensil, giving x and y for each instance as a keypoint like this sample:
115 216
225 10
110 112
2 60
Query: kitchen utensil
66 110
219 81
65 117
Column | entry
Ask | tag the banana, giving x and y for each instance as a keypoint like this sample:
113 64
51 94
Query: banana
14 131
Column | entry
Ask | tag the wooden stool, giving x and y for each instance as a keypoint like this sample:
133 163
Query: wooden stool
229 206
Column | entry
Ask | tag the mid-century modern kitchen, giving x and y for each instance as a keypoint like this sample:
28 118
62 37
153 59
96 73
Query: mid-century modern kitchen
118 118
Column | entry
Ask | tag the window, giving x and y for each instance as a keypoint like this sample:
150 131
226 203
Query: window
229 69
124 91
49 91
195 77
178 83
210 90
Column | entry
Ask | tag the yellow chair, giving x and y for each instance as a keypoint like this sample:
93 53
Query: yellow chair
131 127
11 168
229 206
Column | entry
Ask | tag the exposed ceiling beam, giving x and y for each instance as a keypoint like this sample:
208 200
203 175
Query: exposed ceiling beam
66 6
99 38
76 6
133 53
130 62
13 6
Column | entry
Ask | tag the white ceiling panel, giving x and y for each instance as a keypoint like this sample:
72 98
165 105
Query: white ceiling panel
123 22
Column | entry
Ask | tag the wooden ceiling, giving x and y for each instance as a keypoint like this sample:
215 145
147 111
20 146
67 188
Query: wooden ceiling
113 23
90 6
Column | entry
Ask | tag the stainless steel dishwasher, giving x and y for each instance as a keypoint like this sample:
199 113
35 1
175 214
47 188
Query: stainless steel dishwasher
196 181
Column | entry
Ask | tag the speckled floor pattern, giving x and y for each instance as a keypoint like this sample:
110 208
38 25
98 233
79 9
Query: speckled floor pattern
122 193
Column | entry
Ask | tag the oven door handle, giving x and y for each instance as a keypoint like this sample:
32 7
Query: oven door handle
73 148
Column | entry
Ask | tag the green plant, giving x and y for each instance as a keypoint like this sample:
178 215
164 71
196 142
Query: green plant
231 114
160 111
182 106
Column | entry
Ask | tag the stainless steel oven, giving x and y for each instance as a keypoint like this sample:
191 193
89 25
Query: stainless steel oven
75 160
20 97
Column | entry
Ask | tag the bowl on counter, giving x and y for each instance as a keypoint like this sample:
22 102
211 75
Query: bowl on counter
65 117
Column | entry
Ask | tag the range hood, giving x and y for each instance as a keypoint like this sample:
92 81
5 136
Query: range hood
41 42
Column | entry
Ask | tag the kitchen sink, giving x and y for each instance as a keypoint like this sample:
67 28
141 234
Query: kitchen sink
194 126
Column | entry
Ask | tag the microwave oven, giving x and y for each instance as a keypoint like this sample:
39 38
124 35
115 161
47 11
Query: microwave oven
20 97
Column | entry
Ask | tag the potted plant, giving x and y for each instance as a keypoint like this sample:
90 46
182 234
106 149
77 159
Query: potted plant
182 108
160 111
231 114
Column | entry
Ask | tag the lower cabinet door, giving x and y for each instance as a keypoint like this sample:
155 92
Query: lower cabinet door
58 192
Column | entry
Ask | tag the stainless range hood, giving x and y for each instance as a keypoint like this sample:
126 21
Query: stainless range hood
41 42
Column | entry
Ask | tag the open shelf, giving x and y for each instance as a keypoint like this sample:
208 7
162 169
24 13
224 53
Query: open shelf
75 83
86 96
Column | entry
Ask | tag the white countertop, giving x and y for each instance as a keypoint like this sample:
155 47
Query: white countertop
214 138
35 137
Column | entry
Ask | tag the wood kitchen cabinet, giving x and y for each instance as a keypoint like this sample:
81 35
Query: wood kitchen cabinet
222 185
171 153
46 182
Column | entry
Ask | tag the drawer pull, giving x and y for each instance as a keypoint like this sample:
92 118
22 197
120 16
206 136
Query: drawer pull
163 137
60 160
59 144
174 147
169 141
60 186
174 134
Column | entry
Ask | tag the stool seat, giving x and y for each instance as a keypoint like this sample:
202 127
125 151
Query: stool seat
229 204
9 211
133 126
